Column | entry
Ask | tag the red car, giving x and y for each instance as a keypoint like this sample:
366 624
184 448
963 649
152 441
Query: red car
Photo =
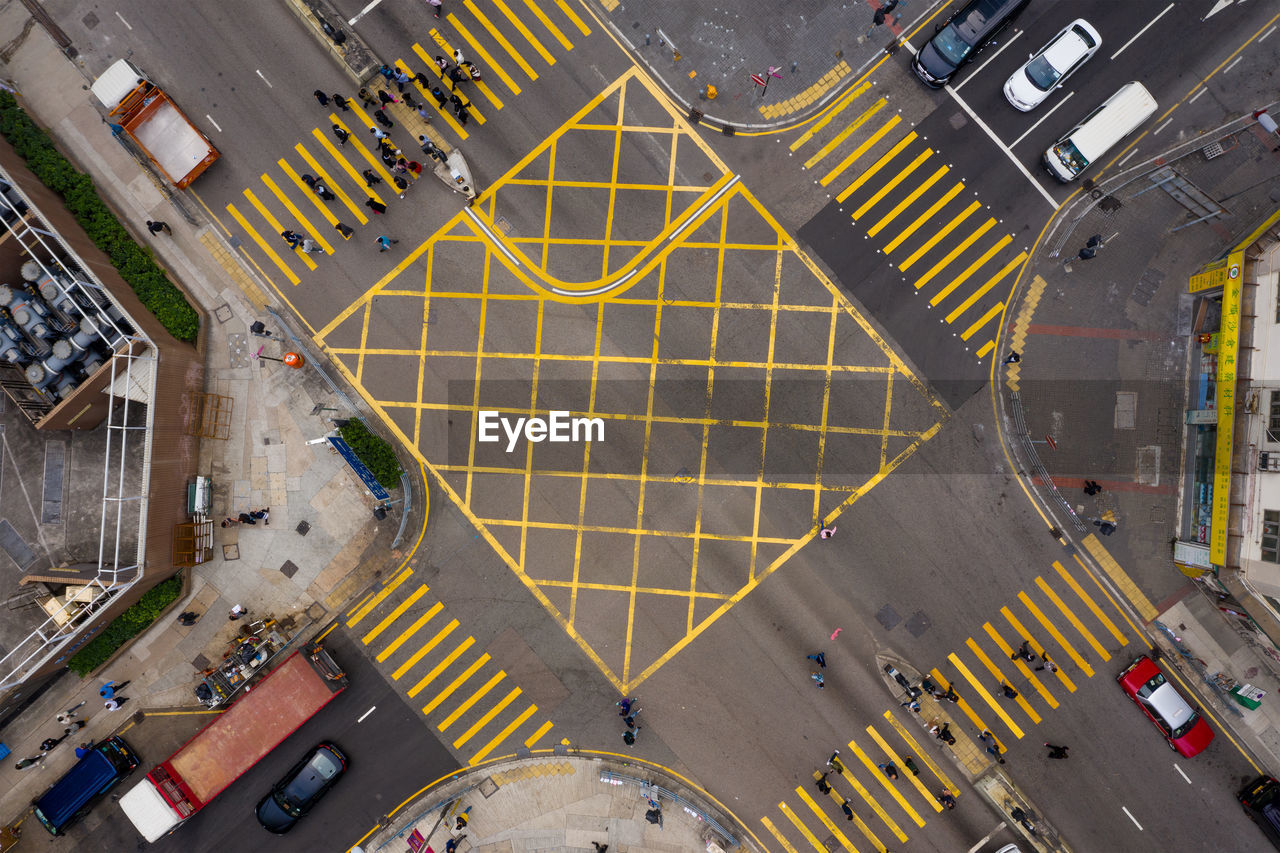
1182 727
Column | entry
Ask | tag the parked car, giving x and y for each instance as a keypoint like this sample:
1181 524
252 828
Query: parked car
1261 801
961 37
1048 68
301 788
1181 726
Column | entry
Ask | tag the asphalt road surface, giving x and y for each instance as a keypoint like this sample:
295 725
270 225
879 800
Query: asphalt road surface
680 559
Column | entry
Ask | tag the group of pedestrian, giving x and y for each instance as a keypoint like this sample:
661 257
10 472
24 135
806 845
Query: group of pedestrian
110 693
264 515
628 710
1091 487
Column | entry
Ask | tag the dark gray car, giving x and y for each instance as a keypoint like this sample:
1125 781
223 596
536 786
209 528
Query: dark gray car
961 37
301 788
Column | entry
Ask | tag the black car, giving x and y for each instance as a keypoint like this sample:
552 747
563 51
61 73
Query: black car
301 788
959 39
1261 801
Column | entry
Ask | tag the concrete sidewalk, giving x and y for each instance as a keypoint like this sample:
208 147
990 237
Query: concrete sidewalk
818 47
1107 361
322 543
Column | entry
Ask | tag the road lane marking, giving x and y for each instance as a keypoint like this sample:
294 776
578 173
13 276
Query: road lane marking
918 221
1075 620
875 167
1030 675
892 183
537 736
425 649
324 177
1057 635
480 85
394 615
297 214
804 830
955 253
939 236
786 845
840 137
379 598
551 28
439 668
832 111
452 686
1017 164
409 632
968 271
856 153
366 713
501 736
875 772
981 292
1088 602
1038 648
875 804
911 199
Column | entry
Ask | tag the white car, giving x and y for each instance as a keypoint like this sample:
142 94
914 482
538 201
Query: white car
1048 68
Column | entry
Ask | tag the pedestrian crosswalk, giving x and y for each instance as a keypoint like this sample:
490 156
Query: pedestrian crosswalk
510 45
926 222
468 699
1067 619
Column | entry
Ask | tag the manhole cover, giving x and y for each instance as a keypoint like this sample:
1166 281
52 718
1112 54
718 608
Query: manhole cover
289 569
231 552
888 617
201 662
223 312
303 528
918 624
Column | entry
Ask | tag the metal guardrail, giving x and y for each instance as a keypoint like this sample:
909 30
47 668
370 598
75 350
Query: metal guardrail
1029 450
649 790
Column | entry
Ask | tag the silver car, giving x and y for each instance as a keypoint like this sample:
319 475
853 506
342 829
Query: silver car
1049 67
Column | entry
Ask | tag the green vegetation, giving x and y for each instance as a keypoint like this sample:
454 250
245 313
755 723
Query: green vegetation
135 263
126 626
373 452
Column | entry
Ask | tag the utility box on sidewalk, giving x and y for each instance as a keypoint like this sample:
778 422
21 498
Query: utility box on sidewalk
1248 696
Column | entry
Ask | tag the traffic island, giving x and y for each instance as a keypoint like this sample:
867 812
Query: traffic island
561 801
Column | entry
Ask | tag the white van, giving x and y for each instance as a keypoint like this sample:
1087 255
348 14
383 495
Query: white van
1119 116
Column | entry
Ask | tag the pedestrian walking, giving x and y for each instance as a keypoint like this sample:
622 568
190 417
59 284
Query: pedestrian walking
911 766
1091 487
237 611
387 73
462 115
437 6
389 157
817 676
451 845
187 618
1012 358
440 96
323 191
600 848
308 180
1024 652
827 532
27 762
1048 664
889 769
50 742
385 243
383 119
401 78
408 100
342 135
158 227
245 518
629 736
367 96
375 205
458 75
443 64
114 703
321 97
83 749
75 726
422 79
111 688
264 514
847 809
386 97
293 240
309 247
378 134
415 169
834 762
946 799
342 103
370 178
951 695
235 522
630 719
624 706
823 787
1008 691
65 717
881 14
401 185
993 749
820 658
1057 751
423 114
345 230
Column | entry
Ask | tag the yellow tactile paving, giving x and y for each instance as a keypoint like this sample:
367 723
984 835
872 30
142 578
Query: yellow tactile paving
809 95
1118 576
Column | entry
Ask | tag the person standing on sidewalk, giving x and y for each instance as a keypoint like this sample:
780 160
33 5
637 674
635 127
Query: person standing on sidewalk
159 227
114 703
237 611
